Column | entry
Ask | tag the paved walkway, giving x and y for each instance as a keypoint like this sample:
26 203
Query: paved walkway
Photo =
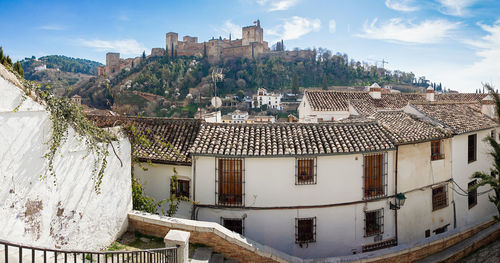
487 254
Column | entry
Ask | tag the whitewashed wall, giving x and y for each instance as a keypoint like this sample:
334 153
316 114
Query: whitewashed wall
417 174
156 183
462 171
307 114
270 182
69 213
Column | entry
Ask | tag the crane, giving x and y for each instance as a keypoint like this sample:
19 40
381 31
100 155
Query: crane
383 61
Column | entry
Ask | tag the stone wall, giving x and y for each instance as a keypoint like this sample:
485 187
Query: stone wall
222 240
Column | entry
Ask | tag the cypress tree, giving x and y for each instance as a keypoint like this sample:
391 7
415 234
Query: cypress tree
295 84
324 83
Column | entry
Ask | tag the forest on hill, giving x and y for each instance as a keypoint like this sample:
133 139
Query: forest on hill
174 77
63 63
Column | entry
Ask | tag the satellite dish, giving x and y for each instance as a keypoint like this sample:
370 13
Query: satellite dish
216 102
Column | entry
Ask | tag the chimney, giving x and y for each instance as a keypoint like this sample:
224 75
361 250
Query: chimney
375 91
488 106
429 94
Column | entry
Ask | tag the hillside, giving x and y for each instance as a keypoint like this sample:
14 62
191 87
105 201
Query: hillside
179 82
59 72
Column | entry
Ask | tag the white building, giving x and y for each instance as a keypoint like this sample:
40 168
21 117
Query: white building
273 101
236 116
326 189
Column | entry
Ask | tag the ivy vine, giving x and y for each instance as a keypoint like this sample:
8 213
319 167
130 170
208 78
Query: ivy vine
64 114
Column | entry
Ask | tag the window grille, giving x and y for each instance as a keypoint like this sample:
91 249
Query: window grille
305 171
229 181
374 222
472 193
472 148
436 153
439 197
234 224
305 230
180 188
375 175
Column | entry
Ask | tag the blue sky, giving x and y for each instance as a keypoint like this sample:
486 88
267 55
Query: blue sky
456 42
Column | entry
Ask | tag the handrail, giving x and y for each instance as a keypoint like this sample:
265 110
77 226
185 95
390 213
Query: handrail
167 254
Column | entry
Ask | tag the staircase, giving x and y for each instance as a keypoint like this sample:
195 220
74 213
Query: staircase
206 255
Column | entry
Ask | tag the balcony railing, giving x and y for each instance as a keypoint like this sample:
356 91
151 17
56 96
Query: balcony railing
11 252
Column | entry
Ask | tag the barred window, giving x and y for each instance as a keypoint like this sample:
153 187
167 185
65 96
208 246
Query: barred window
436 153
305 171
374 222
305 230
180 188
234 224
230 181
374 175
472 148
439 197
472 193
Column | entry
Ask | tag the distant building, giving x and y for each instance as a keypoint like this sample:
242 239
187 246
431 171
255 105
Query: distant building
273 101
40 68
236 116
76 99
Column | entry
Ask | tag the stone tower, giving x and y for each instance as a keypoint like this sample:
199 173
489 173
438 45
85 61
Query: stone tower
171 41
252 34
112 63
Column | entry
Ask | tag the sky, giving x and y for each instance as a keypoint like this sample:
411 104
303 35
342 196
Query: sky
455 42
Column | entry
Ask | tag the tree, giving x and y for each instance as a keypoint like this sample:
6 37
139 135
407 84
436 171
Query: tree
491 177
324 83
19 69
144 54
295 84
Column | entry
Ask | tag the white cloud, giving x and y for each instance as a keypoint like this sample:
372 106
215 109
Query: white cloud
401 5
124 46
428 31
332 26
53 27
455 7
294 28
229 28
277 5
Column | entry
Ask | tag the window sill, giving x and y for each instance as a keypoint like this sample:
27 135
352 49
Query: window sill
472 206
439 208
469 162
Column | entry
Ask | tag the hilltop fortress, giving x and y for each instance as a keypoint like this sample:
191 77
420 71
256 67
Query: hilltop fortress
251 46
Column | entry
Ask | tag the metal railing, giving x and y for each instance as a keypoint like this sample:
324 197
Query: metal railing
11 252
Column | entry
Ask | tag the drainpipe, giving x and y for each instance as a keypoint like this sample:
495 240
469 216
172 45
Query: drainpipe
395 193
193 212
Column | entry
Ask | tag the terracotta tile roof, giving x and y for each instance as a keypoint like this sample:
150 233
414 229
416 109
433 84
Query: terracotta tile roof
460 117
405 128
333 100
472 97
339 100
290 139
171 138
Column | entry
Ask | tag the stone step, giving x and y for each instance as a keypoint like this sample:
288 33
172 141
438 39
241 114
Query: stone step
217 258
202 254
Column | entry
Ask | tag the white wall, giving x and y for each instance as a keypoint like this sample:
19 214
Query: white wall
307 114
270 182
417 174
462 171
156 183
56 212
339 230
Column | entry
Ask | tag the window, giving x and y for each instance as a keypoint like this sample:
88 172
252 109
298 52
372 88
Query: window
427 233
305 171
180 188
472 194
374 175
439 197
374 222
436 150
471 149
305 230
441 229
230 181
233 224
493 134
